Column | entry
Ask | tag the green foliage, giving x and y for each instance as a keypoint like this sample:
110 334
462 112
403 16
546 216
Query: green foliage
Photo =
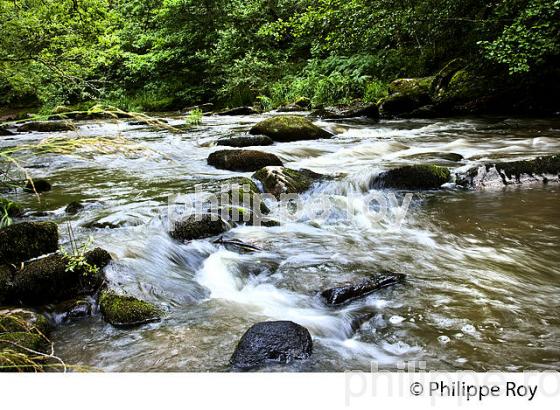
195 117
76 260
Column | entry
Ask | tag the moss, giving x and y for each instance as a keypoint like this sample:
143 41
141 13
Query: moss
242 160
22 341
413 177
12 361
23 320
126 310
286 128
411 86
12 209
303 102
242 187
538 166
27 240
280 180
46 126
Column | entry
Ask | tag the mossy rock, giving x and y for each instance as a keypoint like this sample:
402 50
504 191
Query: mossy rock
413 177
287 128
12 209
22 342
411 86
38 185
239 190
23 320
303 102
125 311
406 95
245 141
443 77
239 111
242 160
74 207
46 126
27 240
48 280
280 180
198 226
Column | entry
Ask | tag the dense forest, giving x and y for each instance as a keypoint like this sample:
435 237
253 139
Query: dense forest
167 54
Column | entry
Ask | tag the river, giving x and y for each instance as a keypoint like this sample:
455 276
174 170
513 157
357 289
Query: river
483 268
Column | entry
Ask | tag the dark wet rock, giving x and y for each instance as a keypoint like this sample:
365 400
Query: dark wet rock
6 286
74 309
303 102
406 95
348 111
10 208
127 311
539 170
344 294
46 126
74 207
268 343
38 185
413 177
147 122
427 111
280 180
48 280
286 128
198 226
23 320
239 111
291 108
27 240
243 193
242 160
447 156
245 141
5 132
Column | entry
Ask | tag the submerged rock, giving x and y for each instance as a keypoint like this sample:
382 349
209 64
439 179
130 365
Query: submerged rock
286 128
345 294
239 111
27 240
268 343
280 180
242 160
49 280
447 156
245 141
74 309
46 126
38 185
5 132
74 207
125 311
539 170
198 226
413 177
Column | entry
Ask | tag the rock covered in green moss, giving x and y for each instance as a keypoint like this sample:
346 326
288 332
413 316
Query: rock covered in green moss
23 320
406 95
287 128
539 170
281 180
38 185
243 192
198 226
242 160
126 310
10 208
348 111
46 126
413 177
245 141
49 280
26 240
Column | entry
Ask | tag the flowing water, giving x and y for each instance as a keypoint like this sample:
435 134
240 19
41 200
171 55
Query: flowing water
483 267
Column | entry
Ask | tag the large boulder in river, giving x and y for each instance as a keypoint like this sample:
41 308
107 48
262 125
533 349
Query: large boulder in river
52 279
245 141
239 111
242 160
127 311
344 294
46 126
198 226
268 343
539 170
281 180
413 177
27 240
286 128
406 95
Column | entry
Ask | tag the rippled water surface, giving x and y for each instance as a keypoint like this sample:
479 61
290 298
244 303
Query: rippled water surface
483 287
